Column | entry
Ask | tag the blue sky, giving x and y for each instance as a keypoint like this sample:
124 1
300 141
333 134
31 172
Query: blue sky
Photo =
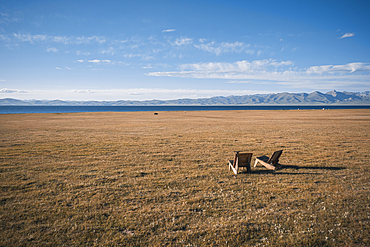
141 50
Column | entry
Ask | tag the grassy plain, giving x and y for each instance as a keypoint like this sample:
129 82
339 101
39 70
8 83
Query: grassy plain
139 179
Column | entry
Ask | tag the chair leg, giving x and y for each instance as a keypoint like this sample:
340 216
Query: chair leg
256 162
249 168
230 164
236 165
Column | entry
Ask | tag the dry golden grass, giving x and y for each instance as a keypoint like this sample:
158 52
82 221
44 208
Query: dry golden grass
139 179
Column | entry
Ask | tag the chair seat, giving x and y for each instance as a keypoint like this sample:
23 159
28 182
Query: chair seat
270 163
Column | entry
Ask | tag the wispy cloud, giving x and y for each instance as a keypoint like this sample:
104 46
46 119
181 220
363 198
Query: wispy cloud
67 68
135 47
52 49
346 68
6 90
96 61
109 51
87 91
270 70
239 66
168 30
129 94
85 53
33 38
8 18
240 82
77 40
224 47
183 41
30 38
238 70
135 93
145 57
4 38
347 35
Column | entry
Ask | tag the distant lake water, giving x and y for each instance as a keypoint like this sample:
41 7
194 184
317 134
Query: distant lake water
72 109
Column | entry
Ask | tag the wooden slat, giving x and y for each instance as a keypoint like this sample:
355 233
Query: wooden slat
240 160
265 164
275 157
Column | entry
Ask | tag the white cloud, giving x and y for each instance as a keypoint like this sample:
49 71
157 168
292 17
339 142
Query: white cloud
61 39
94 61
234 47
141 56
135 93
272 71
97 61
208 47
77 40
183 41
85 53
109 51
6 90
4 38
80 61
347 35
88 91
260 69
57 68
240 82
52 49
129 94
130 55
149 66
6 18
239 66
224 47
168 30
86 40
346 68
32 38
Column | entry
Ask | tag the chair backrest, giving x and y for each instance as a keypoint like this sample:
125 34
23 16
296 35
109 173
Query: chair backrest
244 159
274 159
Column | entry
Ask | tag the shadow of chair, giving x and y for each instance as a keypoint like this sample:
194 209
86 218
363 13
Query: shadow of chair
271 163
240 160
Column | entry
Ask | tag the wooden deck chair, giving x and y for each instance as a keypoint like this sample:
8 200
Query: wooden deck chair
240 160
270 163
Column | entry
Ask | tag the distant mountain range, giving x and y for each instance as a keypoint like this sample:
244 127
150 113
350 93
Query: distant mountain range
314 98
